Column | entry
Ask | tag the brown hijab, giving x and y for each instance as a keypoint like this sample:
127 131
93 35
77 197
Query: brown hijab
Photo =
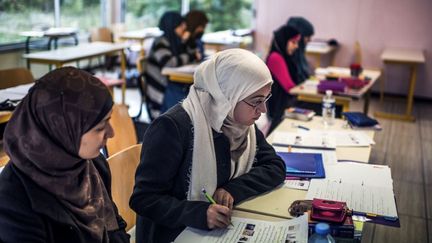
43 139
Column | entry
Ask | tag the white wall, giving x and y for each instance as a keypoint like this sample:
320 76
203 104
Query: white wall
376 24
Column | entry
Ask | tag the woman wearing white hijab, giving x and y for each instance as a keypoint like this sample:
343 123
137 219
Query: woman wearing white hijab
209 141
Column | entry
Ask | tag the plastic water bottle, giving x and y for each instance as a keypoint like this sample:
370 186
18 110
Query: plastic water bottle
322 234
328 108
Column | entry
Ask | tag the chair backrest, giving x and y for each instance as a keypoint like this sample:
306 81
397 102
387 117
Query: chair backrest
124 130
123 166
101 34
14 77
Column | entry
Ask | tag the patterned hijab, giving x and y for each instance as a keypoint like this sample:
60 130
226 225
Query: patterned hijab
219 84
43 140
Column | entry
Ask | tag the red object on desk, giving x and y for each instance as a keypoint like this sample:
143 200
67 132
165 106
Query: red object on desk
354 83
110 82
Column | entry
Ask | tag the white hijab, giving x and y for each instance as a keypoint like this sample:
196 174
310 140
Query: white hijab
219 84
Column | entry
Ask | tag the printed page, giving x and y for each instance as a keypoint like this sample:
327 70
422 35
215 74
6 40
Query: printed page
366 199
305 140
250 230
364 187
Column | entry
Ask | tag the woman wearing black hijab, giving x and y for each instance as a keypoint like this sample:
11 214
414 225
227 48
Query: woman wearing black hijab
306 30
284 71
57 186
167 51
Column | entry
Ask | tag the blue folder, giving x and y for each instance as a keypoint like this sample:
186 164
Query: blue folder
304 165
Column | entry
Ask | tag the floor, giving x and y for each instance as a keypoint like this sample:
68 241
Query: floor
407 148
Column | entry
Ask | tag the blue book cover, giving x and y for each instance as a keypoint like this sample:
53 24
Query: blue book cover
303 164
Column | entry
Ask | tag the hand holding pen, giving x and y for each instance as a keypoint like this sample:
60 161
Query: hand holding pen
218 216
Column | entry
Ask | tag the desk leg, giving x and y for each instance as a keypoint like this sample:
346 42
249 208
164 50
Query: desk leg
407 116
366 102
123 75
318 60
410 97
382 85
27 50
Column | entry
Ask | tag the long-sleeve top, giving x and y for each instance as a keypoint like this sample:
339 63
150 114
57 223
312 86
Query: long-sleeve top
163 176
281 97
279 70
28 213
161 56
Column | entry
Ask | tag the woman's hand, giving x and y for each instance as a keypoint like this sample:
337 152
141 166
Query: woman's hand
218 216
223 197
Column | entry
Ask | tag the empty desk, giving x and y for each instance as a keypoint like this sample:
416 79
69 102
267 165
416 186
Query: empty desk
408 57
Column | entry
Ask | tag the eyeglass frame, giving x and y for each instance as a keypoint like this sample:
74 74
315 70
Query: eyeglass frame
255 106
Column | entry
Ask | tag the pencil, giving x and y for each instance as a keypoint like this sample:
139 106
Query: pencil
211 200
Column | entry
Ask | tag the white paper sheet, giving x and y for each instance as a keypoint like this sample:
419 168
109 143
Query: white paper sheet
297 184
322 140
250 230
15 93
365 188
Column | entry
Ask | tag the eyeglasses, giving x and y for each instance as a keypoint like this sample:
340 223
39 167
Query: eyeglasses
257 103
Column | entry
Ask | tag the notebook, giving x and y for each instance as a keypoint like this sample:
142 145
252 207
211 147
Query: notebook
307 165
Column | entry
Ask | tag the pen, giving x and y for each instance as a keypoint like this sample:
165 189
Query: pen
303 127
211 200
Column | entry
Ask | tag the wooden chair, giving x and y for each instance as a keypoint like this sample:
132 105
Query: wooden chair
123 166
141 66
14 77
101 34
124 130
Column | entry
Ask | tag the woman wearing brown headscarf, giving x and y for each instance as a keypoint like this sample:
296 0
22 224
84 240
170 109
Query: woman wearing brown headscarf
57 185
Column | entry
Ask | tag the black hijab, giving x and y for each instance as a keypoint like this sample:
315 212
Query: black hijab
169 21
306 29
279 44
43 140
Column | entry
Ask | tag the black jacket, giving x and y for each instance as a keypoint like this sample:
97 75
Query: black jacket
162 177
28 213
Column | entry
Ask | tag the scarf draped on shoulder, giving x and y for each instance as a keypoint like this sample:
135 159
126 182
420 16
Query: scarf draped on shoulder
219 84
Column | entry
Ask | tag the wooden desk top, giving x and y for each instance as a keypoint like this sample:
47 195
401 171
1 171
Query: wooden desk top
51 32
309 87
70 54
5 116
225 37
141 34
403 55
321 48
276 203
183 74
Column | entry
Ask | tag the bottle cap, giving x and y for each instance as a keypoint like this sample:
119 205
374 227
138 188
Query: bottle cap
329 92
322 228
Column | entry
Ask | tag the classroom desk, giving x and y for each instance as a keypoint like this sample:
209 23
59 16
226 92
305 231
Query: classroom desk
307 91
408 57
227 38
319 49
183 74
141 35
53 34
276 203
62 56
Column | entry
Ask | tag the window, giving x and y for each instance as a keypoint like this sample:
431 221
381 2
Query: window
146 13
225 14
81 14
24 15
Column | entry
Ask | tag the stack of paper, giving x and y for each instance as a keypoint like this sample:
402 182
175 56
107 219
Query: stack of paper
319 140
365 188
250 230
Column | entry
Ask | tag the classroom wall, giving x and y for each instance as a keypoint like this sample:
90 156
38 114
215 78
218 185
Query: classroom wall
374 23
